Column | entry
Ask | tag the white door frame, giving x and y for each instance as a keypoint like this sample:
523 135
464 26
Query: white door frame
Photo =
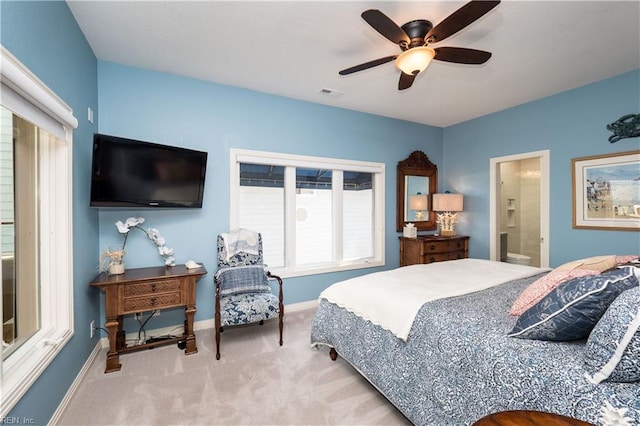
494 202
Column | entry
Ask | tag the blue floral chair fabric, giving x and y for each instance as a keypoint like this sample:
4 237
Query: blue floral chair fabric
243 293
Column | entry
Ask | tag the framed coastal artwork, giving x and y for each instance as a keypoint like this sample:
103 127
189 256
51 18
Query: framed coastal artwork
606 191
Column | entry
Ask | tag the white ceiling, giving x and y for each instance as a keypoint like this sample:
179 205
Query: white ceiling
295 49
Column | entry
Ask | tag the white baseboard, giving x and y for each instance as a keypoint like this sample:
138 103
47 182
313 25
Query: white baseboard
55 418
205 324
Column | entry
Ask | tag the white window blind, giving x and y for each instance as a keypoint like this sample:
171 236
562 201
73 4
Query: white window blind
315 214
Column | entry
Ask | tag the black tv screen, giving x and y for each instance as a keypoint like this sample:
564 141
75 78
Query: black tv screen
131 173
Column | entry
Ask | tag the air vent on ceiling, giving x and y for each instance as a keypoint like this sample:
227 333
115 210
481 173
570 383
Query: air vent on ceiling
330 92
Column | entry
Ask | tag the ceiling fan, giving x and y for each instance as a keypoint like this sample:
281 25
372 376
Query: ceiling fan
415 37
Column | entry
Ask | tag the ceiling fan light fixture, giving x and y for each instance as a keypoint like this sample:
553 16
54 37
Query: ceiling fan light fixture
415 60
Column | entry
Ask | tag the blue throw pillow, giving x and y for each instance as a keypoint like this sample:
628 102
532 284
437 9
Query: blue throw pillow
572 309
612 353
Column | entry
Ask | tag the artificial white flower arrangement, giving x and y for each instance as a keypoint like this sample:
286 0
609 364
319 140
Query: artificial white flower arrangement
115 256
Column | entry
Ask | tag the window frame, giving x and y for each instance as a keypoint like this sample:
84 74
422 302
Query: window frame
291 161
23 91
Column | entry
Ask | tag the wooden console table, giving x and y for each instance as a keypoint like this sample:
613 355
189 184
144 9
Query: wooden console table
147 289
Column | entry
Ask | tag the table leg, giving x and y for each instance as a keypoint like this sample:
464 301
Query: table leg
121 341
113 325
113 359
190 337
190 311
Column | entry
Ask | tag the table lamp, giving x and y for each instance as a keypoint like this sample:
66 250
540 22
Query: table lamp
419 203
447 204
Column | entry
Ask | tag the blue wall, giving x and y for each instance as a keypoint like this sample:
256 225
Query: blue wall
571 124
167 109
45 37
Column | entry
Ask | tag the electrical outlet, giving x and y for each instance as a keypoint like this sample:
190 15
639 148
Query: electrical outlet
92 326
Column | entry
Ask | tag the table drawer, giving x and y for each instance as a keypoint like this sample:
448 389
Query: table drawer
441 257
152 287
454 255
442 246
435 257
435 246
456 245
149 303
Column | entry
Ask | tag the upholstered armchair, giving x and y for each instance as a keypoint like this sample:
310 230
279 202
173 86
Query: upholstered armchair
243 294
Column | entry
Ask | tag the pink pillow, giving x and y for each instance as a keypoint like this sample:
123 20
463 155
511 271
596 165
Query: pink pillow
543 286
595 263
626 259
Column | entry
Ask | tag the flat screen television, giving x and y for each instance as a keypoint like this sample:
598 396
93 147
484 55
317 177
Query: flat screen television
132 173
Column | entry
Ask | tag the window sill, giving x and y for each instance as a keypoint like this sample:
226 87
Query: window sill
325 268
28 362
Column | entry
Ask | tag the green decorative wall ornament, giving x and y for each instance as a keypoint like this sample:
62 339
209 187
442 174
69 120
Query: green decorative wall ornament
627 126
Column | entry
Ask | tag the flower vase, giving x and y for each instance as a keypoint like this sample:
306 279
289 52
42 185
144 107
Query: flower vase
116 268
115 265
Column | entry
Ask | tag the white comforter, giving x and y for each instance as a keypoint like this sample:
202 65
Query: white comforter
391 299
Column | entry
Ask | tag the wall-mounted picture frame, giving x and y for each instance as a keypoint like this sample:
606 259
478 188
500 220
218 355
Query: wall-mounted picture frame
606 191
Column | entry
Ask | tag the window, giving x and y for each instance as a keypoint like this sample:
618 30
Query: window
315 214
20 236
35 234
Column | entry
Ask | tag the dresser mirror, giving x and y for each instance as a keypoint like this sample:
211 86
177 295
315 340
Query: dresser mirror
417 181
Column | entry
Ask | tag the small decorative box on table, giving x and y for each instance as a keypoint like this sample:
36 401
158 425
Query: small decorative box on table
142 290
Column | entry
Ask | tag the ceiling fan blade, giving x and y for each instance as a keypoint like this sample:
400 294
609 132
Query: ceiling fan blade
406 80
461 55
385 26
459 19
368 65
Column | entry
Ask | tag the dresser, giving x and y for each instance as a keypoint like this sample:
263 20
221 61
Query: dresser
142 290
429 248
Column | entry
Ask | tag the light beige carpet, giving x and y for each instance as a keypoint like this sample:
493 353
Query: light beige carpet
256 382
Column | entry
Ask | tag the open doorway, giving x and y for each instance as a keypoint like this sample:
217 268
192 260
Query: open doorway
519 208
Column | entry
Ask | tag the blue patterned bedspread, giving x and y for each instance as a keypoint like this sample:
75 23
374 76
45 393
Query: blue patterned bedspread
458 364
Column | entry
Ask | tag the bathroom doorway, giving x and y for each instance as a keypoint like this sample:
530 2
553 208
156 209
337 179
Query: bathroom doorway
519 204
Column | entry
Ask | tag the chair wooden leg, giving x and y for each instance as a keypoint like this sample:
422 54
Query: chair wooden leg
333 354
218 331
217 343
280 305
281 323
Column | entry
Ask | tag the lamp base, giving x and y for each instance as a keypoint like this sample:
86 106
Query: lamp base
447 233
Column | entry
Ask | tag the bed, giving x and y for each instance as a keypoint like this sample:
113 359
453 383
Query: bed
456 363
